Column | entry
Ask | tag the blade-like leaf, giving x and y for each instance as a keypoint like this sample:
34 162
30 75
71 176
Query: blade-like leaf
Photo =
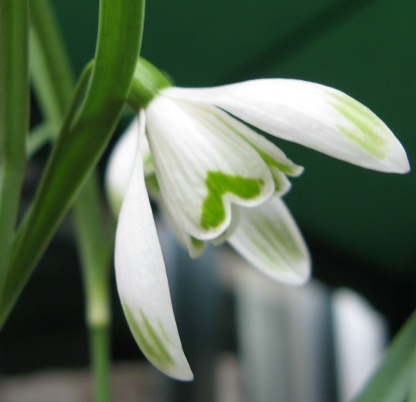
391 382
50 72
82 142
14 117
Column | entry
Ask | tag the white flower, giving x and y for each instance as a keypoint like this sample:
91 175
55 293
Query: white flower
216 179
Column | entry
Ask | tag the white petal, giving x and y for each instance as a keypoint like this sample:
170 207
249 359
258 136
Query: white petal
121 162
195 247
120 166
276 160
202 166
310 114
270 240
235 221
142 282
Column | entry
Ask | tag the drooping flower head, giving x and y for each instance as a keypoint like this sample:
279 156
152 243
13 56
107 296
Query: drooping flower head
216 179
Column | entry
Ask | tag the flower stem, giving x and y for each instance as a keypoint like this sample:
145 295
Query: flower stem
53 83
95 245
100 355
14 117
19 271
81 141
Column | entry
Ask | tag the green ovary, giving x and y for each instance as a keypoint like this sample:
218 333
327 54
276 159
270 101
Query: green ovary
219 184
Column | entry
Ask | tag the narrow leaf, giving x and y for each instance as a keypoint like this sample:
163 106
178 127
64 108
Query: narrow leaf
391 382
82 142
14 113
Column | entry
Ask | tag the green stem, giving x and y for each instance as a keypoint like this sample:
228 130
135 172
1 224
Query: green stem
14 113
53 83
18 273
88 126
100 354
82 141
95 247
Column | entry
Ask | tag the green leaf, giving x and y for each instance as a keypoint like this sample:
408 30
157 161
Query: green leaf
14 117
412 392
38 137
50 71
218 184
53 85
392 380
82 139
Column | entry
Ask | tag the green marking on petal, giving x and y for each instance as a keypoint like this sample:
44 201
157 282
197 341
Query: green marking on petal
219 184
366 124
281 184
151 343
269 160
196 242
272 241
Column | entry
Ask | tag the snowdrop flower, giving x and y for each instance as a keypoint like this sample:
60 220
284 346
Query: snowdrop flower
217 179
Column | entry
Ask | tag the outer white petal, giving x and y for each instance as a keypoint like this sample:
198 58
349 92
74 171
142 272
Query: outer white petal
120 166
121 162
268 238
142 282
202 166
310 114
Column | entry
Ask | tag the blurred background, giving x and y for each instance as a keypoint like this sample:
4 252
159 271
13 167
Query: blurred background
248 339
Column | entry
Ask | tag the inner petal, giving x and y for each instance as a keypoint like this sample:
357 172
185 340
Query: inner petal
202 166
279 164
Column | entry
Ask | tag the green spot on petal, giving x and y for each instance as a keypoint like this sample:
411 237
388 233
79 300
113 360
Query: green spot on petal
150 341
272 240
196 242
270 161
289 170
365 122
219 184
